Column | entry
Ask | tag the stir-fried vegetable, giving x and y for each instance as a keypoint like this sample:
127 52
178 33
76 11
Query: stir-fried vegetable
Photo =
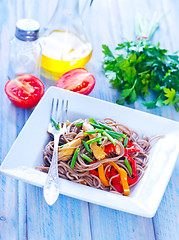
74 158
86 146
128 165
96 131
86 157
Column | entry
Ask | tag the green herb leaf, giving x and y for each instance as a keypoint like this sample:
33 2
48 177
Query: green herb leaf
139 68
170 95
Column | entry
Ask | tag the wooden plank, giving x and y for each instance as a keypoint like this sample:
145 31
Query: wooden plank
68 218
8 186
107 223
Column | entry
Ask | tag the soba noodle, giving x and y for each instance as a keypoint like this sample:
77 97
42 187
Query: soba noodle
80 173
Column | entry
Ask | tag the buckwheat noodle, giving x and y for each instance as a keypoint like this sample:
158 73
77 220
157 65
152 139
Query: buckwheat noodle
81 171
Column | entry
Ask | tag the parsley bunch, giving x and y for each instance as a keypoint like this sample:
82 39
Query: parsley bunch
138 68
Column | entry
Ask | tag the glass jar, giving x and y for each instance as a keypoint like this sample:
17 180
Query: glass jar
25 49
65 45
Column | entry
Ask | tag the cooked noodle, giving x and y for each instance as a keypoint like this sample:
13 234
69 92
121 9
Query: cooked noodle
81 171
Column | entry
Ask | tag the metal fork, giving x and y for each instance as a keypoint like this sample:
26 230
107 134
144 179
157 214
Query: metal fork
57 126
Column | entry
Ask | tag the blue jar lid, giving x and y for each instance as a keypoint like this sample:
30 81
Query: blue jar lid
27 30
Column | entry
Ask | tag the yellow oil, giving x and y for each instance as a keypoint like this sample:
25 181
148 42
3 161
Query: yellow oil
63 51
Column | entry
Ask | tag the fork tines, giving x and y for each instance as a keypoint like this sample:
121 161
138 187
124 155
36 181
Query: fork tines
59 110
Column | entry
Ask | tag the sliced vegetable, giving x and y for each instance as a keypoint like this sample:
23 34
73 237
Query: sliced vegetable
133 163
118 186
132 149
74 158
123 175
105 126
94 171
57 125
130 144
109 137
110 148
93 140
79 124
90 132
116 135
125 141
77 80
132 180
100 141
86 157
86 146
92 120
115 173
128 165
115 180
96 125
25 91
102 176
134 170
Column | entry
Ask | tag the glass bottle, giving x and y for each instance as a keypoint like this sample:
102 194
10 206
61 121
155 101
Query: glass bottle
65 45
25 49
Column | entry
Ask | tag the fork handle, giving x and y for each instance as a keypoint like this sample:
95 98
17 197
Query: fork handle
51 187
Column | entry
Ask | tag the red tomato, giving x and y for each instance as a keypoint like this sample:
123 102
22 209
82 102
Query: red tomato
77 80
110 148
25 90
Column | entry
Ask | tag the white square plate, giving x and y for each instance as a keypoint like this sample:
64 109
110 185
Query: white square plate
26 152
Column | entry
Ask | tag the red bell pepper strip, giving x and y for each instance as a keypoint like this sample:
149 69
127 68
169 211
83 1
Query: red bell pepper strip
123 175
118 187
116 180
132 149
110 148
130 144
132 180
115 173
134 170
94 171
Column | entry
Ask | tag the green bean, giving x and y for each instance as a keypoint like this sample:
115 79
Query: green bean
74 158
86 146
86 157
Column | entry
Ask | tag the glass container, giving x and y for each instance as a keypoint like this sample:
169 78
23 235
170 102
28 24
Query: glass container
25 49
65 45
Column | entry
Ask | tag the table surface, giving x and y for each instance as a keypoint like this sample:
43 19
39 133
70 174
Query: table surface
23 212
